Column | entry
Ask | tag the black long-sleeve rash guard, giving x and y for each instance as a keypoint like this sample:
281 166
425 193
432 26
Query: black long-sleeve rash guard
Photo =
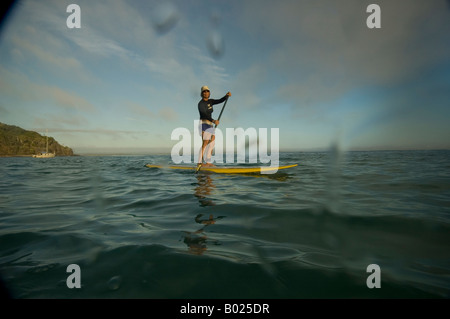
205 108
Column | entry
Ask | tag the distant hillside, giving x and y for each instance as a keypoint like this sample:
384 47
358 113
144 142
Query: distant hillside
15 141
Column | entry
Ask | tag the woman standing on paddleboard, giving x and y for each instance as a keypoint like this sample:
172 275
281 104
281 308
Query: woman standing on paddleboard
205 108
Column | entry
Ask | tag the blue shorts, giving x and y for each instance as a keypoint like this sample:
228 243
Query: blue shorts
208 127
207 131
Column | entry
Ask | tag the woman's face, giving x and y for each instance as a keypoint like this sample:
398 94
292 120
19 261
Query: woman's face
205 94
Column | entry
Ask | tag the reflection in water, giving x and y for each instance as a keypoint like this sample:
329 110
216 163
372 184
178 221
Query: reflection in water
204 189
278 176
197 241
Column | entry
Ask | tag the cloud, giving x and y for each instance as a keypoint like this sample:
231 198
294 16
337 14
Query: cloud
58 122
206 70
23 46
168 66
324 48
99 45
105 31
65 99
117 30
35 43
139 110
96 131
250 80
162 56
168 114
144 114
20 87
3 111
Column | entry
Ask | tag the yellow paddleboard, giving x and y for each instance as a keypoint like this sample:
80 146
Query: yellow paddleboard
229 169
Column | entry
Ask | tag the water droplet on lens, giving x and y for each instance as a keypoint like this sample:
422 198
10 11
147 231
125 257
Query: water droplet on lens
330 240
165 17
114 283
216 44
215 18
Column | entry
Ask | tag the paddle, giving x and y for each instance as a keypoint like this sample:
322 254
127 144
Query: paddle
220 115
223 107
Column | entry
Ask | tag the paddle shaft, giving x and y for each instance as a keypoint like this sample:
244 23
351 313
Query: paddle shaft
223 107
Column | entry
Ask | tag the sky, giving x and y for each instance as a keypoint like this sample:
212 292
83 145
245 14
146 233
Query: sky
132 73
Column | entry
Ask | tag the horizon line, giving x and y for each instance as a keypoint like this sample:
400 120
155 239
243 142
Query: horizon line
167 151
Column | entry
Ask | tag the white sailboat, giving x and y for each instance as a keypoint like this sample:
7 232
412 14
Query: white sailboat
46 154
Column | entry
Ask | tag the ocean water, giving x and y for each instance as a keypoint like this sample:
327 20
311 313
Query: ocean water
307 232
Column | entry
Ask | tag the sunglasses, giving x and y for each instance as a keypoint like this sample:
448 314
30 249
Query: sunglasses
205 91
